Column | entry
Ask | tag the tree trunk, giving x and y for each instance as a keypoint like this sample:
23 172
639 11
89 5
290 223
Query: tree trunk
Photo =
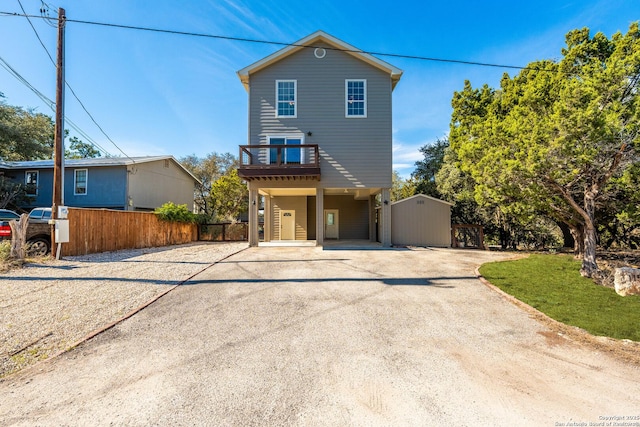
19 237
589 265
567 236
577 232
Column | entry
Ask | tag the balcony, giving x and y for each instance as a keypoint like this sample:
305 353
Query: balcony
279 162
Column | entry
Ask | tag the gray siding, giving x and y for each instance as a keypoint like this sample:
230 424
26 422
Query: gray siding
353 217
421 221
355 152
297 204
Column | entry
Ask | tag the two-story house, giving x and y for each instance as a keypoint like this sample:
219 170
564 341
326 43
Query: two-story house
320 142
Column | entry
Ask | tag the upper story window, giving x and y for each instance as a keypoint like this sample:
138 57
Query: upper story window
286 98
31 182
355 98
80 181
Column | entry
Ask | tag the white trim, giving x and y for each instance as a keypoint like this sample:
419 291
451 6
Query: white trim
37 172
346 99
75 182
295 99
312 40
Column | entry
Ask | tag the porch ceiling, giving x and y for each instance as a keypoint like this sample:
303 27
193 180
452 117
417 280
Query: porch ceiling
359 193
275 192
356 193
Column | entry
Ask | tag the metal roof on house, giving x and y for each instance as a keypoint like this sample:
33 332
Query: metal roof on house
92 162
311 41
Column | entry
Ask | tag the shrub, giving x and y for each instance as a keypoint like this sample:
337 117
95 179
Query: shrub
175 213
5 250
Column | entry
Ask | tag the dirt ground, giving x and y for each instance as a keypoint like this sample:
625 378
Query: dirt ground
302 336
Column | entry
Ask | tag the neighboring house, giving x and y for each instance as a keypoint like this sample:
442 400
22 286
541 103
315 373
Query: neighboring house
320 142
421 220
131 183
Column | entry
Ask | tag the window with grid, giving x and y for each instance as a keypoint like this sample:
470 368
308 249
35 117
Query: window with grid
286 98
80 181
356 98
31 182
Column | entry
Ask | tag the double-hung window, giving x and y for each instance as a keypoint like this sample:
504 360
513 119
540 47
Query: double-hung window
31 182
355 98
80 178
286 98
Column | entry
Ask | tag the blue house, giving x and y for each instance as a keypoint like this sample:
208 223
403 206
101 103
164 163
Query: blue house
136 183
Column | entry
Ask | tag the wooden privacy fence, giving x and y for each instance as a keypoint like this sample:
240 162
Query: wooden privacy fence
103 230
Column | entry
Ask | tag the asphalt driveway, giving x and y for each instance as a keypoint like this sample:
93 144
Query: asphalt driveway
302 336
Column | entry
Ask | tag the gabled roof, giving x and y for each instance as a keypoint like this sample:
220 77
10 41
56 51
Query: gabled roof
423 196
92 162
314 40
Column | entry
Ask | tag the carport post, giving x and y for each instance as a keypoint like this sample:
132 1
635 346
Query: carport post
253 217
319 216
372 218
386 218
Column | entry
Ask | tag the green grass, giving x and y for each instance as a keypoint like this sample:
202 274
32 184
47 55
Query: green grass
553 285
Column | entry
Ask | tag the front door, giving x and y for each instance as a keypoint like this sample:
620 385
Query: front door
331 224
287 225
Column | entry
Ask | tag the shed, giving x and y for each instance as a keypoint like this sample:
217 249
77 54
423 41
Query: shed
421 220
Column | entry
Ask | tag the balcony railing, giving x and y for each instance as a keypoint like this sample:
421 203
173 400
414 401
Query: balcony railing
273 161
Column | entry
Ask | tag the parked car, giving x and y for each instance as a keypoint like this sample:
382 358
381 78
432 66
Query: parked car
7 215
5 230
38 231
40 214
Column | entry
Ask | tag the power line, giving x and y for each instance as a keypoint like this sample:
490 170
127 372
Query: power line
69 86
37 35
247 40
4 64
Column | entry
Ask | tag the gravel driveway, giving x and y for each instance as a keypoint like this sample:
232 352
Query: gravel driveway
302 336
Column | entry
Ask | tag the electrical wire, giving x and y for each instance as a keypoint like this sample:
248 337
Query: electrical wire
69 86
4 64
247 40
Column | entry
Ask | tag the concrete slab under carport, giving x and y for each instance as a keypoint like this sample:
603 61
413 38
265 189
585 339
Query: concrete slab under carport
353 244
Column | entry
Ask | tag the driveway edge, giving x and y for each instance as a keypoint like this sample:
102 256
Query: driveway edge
625 350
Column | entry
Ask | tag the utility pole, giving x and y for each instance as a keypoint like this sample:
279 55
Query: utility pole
58 166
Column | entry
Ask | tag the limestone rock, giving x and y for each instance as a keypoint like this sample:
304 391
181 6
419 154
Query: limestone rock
627 281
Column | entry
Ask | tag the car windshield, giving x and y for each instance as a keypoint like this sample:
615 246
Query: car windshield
8 214
40 214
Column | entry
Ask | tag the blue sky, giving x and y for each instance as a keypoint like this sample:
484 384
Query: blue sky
167 94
